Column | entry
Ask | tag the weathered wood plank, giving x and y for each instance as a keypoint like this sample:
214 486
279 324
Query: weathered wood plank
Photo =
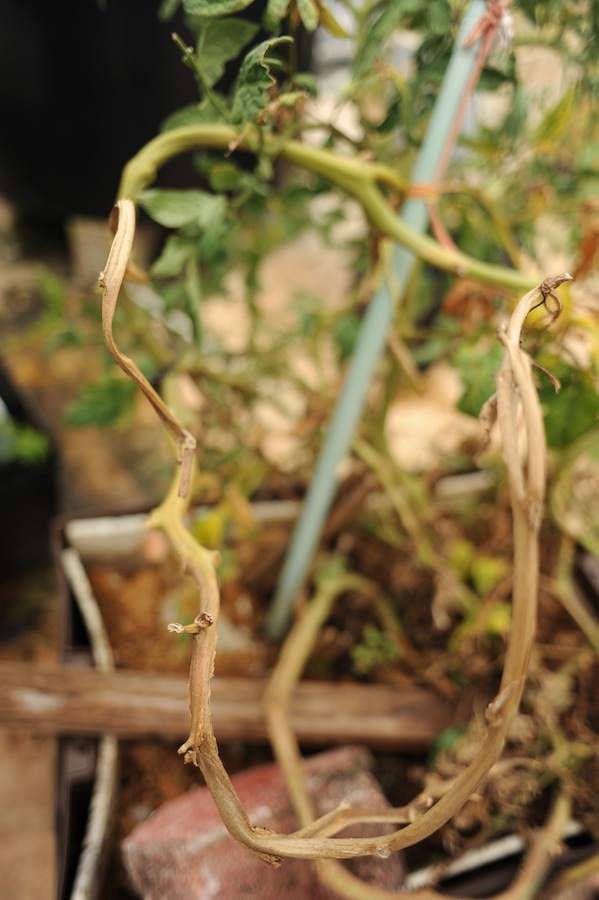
129 704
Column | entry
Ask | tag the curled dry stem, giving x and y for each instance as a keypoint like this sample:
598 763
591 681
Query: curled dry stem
110 280
527 483
201 564
314 840
516 391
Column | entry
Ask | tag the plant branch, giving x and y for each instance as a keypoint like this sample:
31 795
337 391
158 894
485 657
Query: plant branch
355 176
210 94
296 650
110 280
516 393
527 483
546 846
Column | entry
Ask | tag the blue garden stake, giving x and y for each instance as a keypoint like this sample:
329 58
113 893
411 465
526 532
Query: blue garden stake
373 332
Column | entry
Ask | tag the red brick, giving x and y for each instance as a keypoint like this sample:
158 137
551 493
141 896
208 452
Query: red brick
183 851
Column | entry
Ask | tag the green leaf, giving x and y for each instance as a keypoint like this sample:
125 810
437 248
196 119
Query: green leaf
224 176
486 572
22 442
289 99
214 8
196 114
375 649
167 9
555 123
213 247
587 158
447 739
176 209
102 404
491 78
393 117
175 253
572 411
379 31
439 19
275 11
331 24
308 11
220 42
307 82
254 80
53 292
67 336
477 367
346 335
498 617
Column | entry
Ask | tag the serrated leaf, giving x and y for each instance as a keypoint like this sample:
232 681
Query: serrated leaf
220 42
577 394
477 368
254 80
102 404
176 209
308 11
214 8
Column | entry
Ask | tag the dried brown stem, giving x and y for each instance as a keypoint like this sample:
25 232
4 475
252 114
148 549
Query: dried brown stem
526 477
110 280
201 564
527 493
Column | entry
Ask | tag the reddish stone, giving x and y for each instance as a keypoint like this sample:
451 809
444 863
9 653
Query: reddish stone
184 852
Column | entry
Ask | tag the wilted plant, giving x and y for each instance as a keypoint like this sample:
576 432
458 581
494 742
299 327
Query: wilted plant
265 117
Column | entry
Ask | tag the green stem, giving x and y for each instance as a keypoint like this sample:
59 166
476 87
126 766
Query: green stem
209 93
355 176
